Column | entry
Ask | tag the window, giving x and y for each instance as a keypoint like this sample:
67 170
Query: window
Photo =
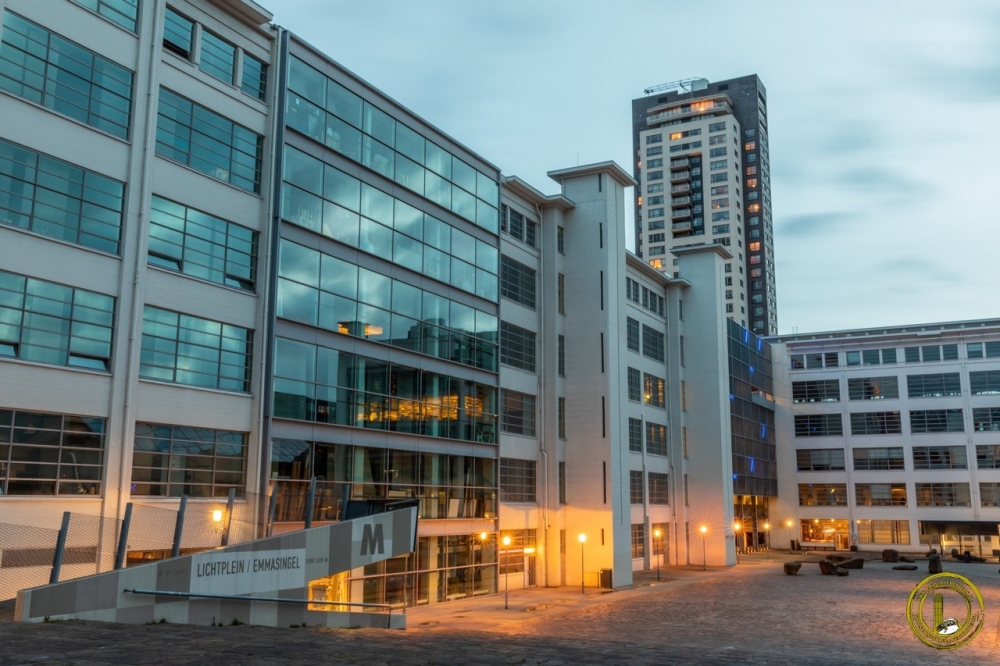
931 353
940 457
717 152
988 456
517 282
560 240
718 164
822 494
720 217
753 208
561 356
719 177
193 351
170 461
717 127
652 344
561 417
876 423
44 68
562 482
59 200
986 419
880 494
207 142
200 245
884 531
717 139
254 77
826 390
818 425
933 386
178 34
878 459
635 435
51 454
635 493
658 490
943 494
720 203
813 360
50 323
655 150
656 439
638 541
655 391
989 494
123 12
653 138
632 334
873 388
634 385
518 226
985 383
936 420
517 480
820 460
517 347
218 57
561 293
517 413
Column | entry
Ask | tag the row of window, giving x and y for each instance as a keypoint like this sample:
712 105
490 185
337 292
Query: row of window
985 382
320 290
891 458
888 423
330 202
331 114
658 493
314 383
653 341
656 437
519 227
648 299
894 494
646 388
924 354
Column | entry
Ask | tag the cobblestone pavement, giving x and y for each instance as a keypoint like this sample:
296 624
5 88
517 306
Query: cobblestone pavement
751 614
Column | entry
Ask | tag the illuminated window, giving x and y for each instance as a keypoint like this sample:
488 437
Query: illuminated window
751 182
753 208
755 246
750 145
751 171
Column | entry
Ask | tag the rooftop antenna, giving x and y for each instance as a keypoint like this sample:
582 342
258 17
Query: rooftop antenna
684 85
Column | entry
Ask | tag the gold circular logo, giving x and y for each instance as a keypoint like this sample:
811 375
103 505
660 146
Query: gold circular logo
954 624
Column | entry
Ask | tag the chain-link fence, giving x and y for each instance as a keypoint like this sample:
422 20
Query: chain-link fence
25 557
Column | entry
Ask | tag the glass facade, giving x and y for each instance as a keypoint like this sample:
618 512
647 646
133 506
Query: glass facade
123 12
207 142
339 296
54 198
330 202
170 461
50 454
324 385
51 323
327 112
200 245
47 69
751 399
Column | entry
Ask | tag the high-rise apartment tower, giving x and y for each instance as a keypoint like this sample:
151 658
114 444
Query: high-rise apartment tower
701 160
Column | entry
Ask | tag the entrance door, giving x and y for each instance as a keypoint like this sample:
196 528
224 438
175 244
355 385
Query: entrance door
842 541
529 570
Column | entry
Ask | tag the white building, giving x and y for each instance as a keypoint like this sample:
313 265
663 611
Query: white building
889 437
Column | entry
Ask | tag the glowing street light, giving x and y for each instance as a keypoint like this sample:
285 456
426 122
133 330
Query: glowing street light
736 530
703 530
788 527
767 539
656 535
217 516
506 578
583 540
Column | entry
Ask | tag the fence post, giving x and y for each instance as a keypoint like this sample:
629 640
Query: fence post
179 527
60 547
310 501
123 537
229 516
272 509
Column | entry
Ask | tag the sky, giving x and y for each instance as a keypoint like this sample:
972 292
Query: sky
882 120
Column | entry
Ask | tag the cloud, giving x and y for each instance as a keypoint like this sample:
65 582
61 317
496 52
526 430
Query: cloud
896 186
812 224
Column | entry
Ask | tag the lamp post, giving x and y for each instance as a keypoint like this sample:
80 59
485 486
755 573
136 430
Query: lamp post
767 539
656 536
788 526
736 532
583 540
506 575
703 529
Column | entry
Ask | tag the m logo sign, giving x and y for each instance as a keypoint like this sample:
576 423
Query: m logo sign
372 541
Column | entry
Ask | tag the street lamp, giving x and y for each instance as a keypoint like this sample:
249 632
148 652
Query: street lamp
736 530
703 558
767 539
583 540
788 526
656 536
506 574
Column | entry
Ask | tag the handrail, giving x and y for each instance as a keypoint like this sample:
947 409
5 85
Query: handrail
166 593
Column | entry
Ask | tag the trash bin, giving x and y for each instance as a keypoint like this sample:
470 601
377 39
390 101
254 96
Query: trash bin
607 579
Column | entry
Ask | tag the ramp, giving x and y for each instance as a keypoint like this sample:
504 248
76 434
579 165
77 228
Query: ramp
264 582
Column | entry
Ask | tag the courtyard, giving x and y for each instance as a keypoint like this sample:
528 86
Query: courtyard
752 613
